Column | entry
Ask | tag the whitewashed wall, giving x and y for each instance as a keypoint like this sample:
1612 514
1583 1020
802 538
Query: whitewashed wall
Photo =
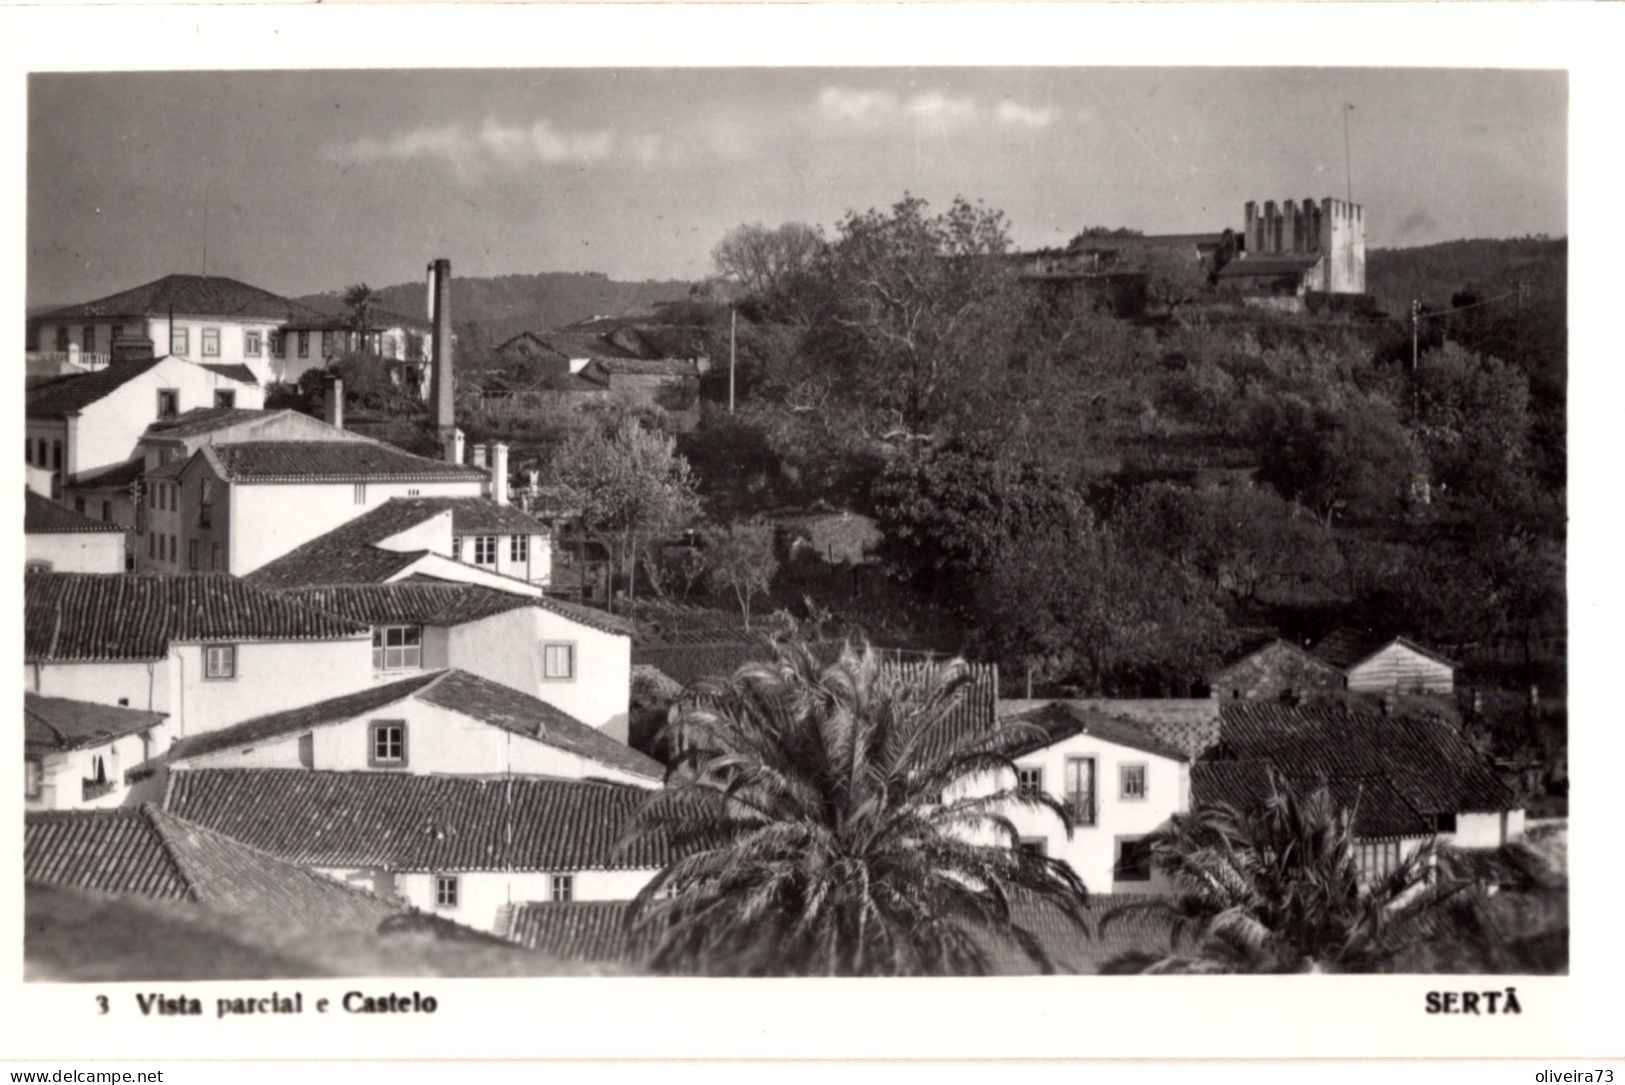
63 775
271 676
481 894
72 552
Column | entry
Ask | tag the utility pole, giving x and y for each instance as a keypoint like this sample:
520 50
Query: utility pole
1416 324
1348 165
733 327
205 232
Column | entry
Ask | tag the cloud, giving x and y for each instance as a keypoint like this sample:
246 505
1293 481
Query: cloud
1014 113
865 110
494 144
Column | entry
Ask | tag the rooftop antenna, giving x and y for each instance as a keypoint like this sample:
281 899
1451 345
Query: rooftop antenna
1348 167
205 232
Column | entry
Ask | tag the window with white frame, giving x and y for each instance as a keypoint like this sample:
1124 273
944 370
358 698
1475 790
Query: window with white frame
33 778
219 660
445 890
211 342
485 550
180 341
89 338
559 661
397 647
327 344
278 344
62 339
1080 790
564 886
361 493
225 397
251 344
386 744
1131 781
169 402
304 344
519 549
1030 779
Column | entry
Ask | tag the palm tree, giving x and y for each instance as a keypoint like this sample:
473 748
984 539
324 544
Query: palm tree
1277 888
361 300
828 820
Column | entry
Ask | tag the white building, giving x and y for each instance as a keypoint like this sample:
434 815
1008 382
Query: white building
439 722
75 753
323 330
206 651
258 500
1374 663
57 539
86 423
458 846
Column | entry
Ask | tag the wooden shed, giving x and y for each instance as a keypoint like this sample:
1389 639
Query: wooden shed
1377 664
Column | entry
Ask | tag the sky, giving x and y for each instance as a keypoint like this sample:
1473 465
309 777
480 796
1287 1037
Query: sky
314 180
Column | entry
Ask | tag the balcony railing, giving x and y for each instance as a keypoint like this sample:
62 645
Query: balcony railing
82 359
94 790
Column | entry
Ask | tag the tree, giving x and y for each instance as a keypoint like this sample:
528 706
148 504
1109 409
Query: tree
1330 456
1471 415
898 289
827 821
361 300
768 262
1277 888
740 558
629 485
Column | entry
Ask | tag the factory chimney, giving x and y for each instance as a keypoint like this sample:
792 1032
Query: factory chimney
499 473
333 402
442 414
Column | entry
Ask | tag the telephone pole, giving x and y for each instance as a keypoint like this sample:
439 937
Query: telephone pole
1416 323
733 327
1348 162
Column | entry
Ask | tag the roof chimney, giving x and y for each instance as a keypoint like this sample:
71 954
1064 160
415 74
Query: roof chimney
479 455
333 402
452 445
442 413
499 473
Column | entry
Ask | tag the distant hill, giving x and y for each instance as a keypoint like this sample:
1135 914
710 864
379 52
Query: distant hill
1432 273
505 305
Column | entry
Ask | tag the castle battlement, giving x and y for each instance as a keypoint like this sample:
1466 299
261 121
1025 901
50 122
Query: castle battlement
1332 227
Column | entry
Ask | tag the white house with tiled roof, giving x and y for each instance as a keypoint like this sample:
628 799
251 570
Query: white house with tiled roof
258 500
75 753
446 722
458 846
206 651
61 540
80 424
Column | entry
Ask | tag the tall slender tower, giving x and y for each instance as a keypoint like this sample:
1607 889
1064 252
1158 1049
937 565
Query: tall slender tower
442 381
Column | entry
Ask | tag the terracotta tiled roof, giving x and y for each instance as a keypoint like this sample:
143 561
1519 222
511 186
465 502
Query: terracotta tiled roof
1270 264
1380 810
71 394
477 515
331 461
415 823
145 851
42 516
466 694
117 477
232 372
332 710
1425 760
647 367
185 295
348 554
55 724
416 602
1061 720
1344 648
593 931
83 617
201 420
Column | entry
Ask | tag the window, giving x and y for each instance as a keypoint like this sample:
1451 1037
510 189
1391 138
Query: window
278 344
79 504
1444 823
211 342
44 452
88 342
559 661
1033 845
169 402
28 449
251 344
563 887
1030 779
214 556
107 512
1131 782
205 505
413 492
225 397
1133 859
397 647
62 339
38 565
519 549
304 344
33 778
327 344
361 493
171 549
445 890
1376 858
386 746
180 342
1080 789
56 455
191 563
152 544
220 661
485 550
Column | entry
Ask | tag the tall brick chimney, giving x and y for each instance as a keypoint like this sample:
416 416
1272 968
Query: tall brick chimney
442 382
